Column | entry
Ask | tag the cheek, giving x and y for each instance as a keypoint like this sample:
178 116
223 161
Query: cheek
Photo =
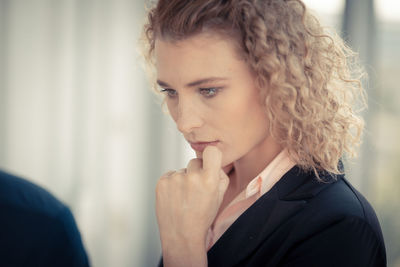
240 113
248 123
234 124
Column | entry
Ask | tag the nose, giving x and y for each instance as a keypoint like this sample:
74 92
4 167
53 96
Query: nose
188 116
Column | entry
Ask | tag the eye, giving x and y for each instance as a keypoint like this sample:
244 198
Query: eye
171 93
209 92
206 92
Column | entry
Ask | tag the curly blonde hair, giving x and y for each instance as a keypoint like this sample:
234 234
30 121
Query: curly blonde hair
309 81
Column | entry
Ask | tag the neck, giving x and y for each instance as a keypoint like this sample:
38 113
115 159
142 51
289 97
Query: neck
247 167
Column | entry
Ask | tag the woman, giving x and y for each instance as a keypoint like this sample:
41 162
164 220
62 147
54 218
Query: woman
265 99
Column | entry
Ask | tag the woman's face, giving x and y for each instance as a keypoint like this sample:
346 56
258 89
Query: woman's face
211 94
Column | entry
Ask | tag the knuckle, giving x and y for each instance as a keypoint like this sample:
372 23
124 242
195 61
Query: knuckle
209 174
194 160
161 183
167 174
210 180
194 176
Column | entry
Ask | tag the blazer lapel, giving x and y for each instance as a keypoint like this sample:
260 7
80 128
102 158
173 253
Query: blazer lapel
284 200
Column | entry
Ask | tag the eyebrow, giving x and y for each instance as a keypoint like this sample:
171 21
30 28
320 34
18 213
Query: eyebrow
195 83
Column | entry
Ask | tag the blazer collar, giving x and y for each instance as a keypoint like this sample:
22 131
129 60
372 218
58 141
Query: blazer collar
287 197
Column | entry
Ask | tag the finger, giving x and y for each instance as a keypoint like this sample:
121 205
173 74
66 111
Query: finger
167 174
181 170
212 158
194 165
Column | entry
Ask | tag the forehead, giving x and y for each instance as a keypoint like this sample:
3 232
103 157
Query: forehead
207 39
200 44
203 54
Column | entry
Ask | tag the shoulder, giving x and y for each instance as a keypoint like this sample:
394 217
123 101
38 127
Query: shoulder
339 200
327 199
20 194
337 225
36 228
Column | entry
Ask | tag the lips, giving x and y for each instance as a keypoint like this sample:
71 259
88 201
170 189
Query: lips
200 146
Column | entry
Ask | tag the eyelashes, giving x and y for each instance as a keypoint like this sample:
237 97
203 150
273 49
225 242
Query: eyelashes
206 92
170 93
209 92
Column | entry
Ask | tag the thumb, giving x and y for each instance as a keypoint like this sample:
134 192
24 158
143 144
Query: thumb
212 158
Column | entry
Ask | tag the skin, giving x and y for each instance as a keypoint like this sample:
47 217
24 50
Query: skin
226 108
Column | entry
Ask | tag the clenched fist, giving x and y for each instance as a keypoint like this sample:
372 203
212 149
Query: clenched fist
187 202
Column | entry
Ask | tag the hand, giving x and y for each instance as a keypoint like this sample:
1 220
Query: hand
187 203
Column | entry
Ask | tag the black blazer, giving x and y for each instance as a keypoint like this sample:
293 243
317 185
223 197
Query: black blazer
303 222
36 229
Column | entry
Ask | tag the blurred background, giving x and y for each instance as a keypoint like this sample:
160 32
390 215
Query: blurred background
77 116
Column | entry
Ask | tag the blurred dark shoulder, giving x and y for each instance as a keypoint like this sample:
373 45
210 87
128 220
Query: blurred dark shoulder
36 228
21 194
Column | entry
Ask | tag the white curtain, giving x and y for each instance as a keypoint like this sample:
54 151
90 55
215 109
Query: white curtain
77 117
